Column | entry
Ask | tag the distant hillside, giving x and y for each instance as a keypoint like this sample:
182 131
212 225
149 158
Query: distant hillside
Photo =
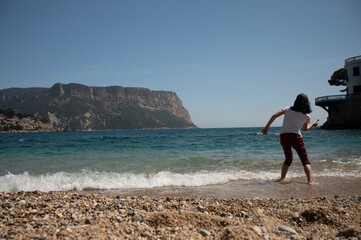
79 107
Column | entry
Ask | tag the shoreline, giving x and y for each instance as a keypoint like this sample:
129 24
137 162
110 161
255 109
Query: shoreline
264 189
258 210
99 130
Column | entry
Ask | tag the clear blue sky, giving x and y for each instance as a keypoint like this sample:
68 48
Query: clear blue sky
233 63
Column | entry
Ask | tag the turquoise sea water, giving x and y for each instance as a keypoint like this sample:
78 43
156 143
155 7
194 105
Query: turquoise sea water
153 158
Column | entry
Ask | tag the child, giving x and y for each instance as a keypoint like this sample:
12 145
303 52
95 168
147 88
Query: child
296 117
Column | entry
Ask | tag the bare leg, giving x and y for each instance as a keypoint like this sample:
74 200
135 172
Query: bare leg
284 172
308 171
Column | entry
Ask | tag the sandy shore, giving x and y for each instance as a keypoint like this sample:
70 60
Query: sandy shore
212 212
296 188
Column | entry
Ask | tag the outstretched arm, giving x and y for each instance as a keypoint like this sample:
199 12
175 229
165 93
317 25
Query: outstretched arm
274 116
308 127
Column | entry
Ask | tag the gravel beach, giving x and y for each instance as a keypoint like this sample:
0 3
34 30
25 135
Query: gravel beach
85 215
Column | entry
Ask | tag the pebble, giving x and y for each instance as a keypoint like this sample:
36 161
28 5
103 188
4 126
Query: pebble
36 236
63 233
295 215
257 230
88 221
64 222
78 215
244 214
201 208
6 205
204 233
287 229
137 218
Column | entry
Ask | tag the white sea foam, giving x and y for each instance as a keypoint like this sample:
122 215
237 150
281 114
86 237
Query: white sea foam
338 173
85 179
63 181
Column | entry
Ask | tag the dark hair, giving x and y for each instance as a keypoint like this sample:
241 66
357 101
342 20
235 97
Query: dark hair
302 104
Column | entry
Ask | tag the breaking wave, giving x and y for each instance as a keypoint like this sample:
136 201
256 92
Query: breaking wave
64 181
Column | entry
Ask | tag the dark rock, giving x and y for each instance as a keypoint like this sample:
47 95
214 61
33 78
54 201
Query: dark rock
88 221
348 233
6 205
130 212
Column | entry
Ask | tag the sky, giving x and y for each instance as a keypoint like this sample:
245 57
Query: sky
233 63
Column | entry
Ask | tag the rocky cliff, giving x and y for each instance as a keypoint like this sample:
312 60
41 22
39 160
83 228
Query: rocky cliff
79 107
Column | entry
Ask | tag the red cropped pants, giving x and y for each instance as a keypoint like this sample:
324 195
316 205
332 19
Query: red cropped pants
293 140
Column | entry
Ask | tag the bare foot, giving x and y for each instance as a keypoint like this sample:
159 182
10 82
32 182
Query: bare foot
283 180
312 183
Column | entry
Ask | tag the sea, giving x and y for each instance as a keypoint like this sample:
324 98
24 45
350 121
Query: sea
144 159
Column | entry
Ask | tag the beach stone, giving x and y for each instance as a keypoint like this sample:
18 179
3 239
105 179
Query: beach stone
201 208
6 205
6 196
257 230
62 233
36 236
130 212
287 229
243 214
141 233
295 215
88 221
204 233
137 218
36 192
74 217
64 222
13 214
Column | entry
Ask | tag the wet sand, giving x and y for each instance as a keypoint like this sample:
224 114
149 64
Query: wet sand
292 188
236 210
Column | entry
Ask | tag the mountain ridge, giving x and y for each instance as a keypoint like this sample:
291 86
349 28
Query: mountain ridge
79 107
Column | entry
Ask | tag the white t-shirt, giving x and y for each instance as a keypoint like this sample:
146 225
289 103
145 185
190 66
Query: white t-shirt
293 121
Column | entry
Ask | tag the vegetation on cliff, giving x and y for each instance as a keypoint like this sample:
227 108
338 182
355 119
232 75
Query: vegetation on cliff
11 121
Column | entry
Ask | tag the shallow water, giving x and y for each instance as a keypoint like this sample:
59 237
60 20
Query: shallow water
156 158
